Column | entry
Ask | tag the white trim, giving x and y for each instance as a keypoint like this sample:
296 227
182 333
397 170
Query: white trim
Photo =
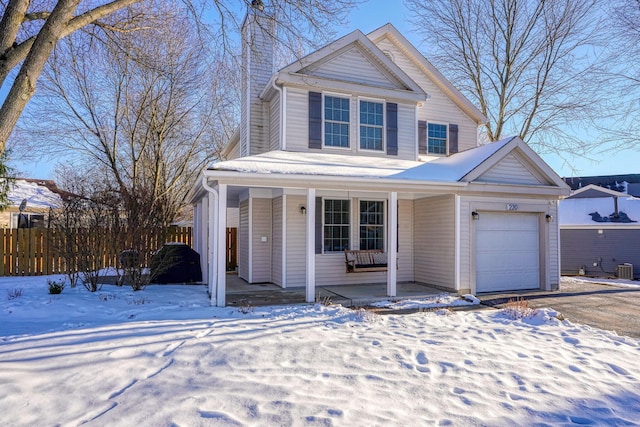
283 116
221 283
446 142
349 98
311 249
250 242
457 249
383 150
392 247
283 247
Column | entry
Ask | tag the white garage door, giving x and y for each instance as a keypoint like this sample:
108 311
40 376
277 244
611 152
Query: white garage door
507 252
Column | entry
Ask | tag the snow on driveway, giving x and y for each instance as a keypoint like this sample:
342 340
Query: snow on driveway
163 357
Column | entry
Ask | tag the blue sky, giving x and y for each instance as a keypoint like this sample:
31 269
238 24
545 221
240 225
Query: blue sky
375 13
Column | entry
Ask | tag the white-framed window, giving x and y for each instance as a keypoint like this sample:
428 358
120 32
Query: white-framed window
27 220
336 121
371 125
436 138
372 224
336 225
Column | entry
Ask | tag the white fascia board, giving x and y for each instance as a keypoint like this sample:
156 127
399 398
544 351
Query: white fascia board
319 83
515 190
251 179
428 68
603 190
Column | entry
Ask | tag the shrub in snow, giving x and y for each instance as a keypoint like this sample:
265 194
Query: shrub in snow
14 293
55 286
519 309
365 316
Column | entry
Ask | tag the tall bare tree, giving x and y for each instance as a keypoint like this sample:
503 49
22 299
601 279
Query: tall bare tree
530 65
29 31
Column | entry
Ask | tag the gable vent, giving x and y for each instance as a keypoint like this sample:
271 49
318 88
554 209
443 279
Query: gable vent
388 55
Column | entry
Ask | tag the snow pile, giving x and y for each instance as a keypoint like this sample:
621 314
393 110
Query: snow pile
37 196
442 300
162 356
601 280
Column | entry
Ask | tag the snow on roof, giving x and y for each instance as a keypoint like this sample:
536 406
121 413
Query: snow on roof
446 169
454 167
37 196
576 211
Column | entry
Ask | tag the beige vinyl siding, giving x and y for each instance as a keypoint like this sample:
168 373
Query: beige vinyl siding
276 242
354 66
466 240
297 111
434 244
297 132
261 251
330 270
274 124
243 241
296 242
405 241
233 217
512 171
439 108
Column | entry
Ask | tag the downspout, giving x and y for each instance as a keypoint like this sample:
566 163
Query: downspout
283 145
212 241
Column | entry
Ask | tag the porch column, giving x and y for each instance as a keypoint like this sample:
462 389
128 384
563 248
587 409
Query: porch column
211 245
221 247
311 245
392 248
204 237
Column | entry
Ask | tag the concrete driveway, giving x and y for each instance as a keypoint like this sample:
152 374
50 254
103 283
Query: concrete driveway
602 306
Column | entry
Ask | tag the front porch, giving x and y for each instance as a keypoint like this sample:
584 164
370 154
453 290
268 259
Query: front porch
241 293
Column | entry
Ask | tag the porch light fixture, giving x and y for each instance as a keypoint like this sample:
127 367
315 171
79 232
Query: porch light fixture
475 215
303 210
549 218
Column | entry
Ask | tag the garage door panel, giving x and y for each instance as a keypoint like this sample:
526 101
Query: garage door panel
507 252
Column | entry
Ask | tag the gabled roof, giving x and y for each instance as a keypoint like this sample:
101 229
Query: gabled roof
392 33
460 168
595 191
38 193
597 212
300 71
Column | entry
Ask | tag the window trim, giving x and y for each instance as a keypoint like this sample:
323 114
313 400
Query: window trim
384 220
383 149
350 225
446 138
348 97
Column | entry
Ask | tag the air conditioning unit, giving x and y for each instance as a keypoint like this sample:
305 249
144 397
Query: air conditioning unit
625 271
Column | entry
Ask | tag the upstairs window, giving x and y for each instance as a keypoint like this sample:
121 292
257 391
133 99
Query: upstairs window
371 125
371 224
336 121
437 139
336 225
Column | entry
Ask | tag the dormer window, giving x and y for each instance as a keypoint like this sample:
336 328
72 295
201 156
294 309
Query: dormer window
371 125
336 121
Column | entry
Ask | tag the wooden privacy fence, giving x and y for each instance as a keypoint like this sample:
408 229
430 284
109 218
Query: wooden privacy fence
35 251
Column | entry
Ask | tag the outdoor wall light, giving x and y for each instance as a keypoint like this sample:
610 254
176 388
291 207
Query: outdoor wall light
303 210
549 218
475 215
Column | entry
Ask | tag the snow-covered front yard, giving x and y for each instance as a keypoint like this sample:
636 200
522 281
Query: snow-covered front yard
163 357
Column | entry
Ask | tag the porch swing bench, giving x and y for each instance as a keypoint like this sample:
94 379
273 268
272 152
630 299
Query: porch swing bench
361 261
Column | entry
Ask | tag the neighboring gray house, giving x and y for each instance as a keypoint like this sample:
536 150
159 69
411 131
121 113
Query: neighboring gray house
364 145
599 231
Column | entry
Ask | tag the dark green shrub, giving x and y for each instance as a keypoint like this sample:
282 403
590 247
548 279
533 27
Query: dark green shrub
55 286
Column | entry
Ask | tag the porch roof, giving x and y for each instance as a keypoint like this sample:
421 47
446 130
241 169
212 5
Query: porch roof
443 169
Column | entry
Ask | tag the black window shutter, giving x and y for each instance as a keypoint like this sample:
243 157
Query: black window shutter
315 120
422 137
318 225
453 139
392 129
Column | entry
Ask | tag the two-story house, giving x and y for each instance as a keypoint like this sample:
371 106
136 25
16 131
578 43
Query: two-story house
363 144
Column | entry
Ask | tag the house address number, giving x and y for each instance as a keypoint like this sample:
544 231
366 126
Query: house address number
512 207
